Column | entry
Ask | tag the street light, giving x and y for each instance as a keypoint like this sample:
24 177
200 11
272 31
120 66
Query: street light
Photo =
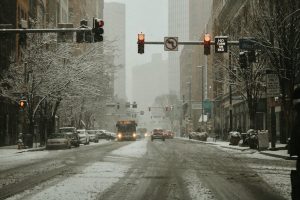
202 96
189 84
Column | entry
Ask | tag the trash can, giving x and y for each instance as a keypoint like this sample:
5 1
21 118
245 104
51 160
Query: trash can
263 140
28 140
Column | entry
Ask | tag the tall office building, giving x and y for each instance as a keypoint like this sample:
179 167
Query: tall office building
150 81
115 30
178 27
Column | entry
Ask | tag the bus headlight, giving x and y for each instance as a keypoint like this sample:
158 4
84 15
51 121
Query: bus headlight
134 134
119 135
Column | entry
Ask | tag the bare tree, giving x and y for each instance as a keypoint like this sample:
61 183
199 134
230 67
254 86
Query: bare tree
277 25
51 73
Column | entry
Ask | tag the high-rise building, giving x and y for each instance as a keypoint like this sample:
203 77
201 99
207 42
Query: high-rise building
150 77
178 23
115 31
85 9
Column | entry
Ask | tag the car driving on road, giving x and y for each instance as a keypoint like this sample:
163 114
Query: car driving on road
158 133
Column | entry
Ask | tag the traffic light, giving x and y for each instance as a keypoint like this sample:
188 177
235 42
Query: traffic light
118 106
22 104
206 44
251 56
98 30
243 60
141 42
149 109
80 35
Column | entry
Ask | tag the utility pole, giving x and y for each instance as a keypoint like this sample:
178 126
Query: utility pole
190 100
230 93
202 93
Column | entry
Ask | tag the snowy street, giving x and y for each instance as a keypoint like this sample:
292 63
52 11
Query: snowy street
174 169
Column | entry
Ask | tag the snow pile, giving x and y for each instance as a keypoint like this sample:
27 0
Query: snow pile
196 189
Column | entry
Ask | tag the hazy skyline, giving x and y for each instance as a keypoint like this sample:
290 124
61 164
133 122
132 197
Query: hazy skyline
151 18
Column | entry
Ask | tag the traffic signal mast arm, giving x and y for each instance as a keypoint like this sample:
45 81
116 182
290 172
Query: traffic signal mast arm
54 30
192 42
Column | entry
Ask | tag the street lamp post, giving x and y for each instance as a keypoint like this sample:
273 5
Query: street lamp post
190 99
202 95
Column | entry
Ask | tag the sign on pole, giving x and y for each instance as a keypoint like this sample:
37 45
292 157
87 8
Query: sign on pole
221 44
196 105
171 43
273 89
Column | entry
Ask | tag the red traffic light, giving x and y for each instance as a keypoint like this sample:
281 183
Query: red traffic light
206 44
207 38
99 23
98 30
141 41
141 38
22 103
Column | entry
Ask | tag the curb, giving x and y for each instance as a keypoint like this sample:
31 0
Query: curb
287 157
32 149
235 148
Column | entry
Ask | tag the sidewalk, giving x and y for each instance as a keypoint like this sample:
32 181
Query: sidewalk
5 150
279 152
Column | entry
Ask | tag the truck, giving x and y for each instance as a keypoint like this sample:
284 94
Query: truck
126 130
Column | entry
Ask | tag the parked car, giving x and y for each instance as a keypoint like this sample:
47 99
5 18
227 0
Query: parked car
59 141
83 136
93 136
72 132
112 135
158 133
103 134
169 134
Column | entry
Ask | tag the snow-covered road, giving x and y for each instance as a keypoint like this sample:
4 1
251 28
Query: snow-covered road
174 169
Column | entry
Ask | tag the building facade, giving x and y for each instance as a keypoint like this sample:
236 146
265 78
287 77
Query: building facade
115 31
178 22
195 68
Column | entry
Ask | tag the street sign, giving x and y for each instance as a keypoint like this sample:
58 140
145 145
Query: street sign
196 105
221 44
273 89
247 43
171 43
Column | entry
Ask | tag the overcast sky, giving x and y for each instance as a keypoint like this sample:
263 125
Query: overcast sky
149 17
